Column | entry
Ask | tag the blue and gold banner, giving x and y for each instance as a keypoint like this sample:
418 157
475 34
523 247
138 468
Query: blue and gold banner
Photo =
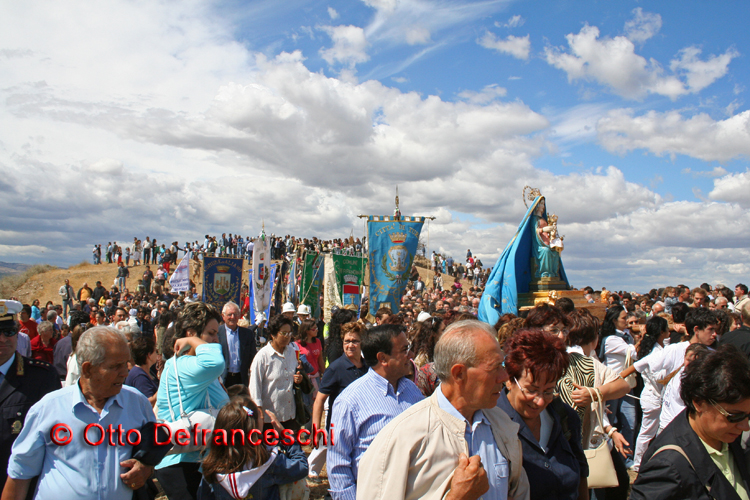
222 280
393 244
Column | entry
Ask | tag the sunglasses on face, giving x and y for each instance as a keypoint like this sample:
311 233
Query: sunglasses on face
732 418
9 333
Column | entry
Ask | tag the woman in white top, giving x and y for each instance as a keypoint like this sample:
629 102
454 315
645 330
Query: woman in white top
657 329
616 346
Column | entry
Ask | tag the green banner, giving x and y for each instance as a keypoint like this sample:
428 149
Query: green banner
312 279
350 273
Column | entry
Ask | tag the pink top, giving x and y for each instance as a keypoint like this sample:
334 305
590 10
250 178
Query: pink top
313 350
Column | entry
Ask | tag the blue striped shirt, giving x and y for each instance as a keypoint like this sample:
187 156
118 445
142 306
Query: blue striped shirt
360 412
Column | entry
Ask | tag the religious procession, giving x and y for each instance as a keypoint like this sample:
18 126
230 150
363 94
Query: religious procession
360 369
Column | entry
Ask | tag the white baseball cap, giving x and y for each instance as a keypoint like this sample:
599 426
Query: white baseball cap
288 307
423 316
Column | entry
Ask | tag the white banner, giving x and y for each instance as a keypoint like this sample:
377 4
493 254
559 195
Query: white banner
261 282
180 279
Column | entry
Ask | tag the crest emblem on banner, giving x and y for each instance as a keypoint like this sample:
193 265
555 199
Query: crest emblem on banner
222 280
398 254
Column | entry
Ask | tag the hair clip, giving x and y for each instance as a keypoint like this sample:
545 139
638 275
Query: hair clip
249 411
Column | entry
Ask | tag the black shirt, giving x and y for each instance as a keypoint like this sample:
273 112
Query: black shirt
337 377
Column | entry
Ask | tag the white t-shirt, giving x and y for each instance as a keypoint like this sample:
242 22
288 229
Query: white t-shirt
672 403
652 390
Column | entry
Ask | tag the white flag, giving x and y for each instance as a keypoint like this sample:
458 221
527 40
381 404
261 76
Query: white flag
180 279
261 274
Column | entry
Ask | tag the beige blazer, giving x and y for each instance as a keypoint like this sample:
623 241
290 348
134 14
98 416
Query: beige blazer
414 456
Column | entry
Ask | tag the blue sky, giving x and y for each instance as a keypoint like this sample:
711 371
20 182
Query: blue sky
176 119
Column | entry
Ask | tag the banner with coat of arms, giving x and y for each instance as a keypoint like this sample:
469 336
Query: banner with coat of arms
222 280
393 243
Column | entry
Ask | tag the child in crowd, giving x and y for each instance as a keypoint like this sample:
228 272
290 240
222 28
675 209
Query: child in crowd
248 471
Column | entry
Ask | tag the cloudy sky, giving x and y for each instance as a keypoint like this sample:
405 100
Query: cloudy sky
177 119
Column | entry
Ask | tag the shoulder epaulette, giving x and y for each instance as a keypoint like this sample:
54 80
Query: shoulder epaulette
36 362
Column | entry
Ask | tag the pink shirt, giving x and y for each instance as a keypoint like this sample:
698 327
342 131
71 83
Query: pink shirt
312 351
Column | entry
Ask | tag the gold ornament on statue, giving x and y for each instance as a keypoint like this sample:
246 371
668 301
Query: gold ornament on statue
532 194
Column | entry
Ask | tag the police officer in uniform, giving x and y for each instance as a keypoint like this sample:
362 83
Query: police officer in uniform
23 382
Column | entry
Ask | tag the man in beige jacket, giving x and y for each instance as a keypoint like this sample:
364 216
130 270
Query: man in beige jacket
456 444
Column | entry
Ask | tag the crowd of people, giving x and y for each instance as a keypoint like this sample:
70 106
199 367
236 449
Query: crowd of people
424 402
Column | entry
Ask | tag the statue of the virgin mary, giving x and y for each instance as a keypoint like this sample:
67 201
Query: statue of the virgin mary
532 256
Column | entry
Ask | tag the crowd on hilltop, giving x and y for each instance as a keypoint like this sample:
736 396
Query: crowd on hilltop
491 411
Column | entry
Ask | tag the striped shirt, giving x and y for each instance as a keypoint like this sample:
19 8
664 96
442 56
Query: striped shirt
360 412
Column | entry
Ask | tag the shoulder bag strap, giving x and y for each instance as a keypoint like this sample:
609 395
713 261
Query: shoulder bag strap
177 377
599 410
679 450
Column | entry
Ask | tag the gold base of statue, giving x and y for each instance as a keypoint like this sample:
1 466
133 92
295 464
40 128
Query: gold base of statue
547 284
550 295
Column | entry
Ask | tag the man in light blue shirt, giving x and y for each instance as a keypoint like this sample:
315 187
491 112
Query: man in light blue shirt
52 443
368 404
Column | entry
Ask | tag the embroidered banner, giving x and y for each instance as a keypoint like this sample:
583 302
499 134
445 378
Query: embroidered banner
222 280
393 244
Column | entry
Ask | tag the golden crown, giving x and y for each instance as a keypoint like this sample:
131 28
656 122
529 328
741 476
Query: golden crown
397 237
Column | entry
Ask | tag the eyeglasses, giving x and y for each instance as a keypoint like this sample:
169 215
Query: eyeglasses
286 334
353 342
549 395
556 330
9 333
732 418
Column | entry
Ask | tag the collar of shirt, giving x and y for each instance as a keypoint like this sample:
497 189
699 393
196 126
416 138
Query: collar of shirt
576 348
6 366
477 419
84 403
382 384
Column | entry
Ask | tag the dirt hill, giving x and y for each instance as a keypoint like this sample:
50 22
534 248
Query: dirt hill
44 286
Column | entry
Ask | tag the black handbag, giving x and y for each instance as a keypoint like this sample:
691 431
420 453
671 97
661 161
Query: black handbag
302 414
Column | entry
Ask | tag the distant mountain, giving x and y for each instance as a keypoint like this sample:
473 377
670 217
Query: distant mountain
8 268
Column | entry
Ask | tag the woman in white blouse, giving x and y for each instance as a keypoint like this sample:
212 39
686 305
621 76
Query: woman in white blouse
615 348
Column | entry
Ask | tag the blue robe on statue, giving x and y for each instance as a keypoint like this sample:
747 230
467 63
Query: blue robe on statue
512 273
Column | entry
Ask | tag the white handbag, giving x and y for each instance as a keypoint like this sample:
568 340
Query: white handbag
185 423
601 468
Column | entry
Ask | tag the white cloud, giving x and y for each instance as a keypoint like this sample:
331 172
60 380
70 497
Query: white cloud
517 47
487 94
643 26
399 79
671 133
349 45
700 74
175 130
716 172
732 188
513 22
417 35
385 6
332 13
613 62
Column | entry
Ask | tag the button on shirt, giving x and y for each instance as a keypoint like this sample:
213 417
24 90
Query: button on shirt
481 441
78 471
360 412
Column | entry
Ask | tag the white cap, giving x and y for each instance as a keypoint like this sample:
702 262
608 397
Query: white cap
423 316
288 307
303 309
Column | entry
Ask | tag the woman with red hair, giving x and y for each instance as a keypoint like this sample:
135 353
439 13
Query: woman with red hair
550 430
